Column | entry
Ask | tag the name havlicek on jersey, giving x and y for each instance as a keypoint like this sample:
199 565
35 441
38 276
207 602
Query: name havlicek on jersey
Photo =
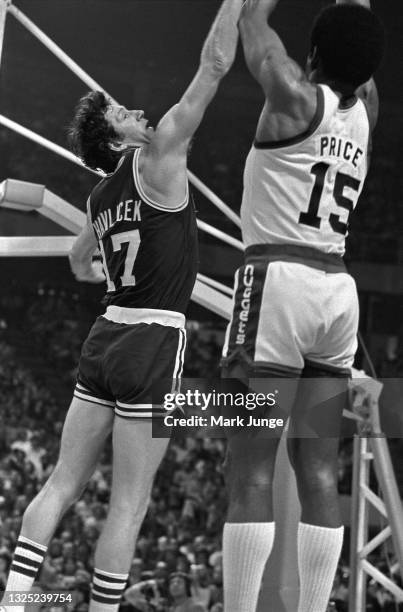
128 210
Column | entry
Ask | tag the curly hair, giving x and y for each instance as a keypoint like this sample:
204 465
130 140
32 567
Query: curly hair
89 133
350 42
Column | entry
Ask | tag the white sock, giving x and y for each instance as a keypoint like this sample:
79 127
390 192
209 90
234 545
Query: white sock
246 548
319 551
107 591
27 559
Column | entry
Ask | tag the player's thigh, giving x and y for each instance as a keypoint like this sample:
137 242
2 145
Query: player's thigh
84 432
136 458
143 367
315 423
250 461
251 450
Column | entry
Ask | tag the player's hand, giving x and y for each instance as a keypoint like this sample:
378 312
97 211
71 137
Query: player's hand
93 274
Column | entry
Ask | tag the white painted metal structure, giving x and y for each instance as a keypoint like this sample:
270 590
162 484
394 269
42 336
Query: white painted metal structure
370 445
217 297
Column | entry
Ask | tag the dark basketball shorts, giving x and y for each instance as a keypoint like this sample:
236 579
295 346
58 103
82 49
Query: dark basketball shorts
294 308
125 353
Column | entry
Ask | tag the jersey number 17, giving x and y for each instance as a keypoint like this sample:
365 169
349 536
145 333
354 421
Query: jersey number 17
132 240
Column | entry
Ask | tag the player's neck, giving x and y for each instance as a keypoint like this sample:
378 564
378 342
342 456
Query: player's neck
343 89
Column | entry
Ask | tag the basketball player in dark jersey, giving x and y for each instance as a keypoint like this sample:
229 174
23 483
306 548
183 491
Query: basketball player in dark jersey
296 307
141 218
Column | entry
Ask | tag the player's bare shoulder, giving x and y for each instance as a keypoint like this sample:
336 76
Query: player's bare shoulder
162 168
291 101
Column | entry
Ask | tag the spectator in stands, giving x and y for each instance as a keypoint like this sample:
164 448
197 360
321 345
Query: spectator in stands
180 593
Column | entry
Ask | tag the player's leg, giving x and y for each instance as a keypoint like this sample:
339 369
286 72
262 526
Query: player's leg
271 350
318 412
249 528
84 432
318 409
140 355
313 443
136 457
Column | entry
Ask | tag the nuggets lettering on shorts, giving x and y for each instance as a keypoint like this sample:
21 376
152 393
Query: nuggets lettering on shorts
247 279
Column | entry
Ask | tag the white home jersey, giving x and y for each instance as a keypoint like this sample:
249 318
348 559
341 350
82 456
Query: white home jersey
302 190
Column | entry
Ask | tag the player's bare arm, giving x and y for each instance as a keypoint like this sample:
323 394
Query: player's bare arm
290 98
369 91
163 161
81 254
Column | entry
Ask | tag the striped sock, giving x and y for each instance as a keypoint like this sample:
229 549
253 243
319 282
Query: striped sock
107 591
27 559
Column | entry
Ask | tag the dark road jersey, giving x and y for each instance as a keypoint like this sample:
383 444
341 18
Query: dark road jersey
149 252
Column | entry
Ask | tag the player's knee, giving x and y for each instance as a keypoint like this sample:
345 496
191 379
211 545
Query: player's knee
130 508
65 491
320 479
247 477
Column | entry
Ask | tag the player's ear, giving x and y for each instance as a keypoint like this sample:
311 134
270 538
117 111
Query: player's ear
116 146
314 58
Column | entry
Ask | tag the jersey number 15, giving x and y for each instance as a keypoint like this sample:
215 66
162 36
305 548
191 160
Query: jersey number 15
342 181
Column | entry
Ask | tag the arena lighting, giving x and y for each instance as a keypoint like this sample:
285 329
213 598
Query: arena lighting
217 298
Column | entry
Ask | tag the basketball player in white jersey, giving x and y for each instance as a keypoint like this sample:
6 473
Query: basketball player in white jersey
143 221
296 308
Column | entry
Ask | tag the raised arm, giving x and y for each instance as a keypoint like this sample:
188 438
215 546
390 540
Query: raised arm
369 91
290 97
177 127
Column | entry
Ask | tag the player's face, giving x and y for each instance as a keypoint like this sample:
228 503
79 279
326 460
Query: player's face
130 125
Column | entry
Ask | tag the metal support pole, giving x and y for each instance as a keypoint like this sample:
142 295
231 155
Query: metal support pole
4 6
56 50
390 493
210 195
359 525
44 142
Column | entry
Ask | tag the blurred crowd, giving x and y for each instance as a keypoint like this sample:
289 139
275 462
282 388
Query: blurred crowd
179 549
178 561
